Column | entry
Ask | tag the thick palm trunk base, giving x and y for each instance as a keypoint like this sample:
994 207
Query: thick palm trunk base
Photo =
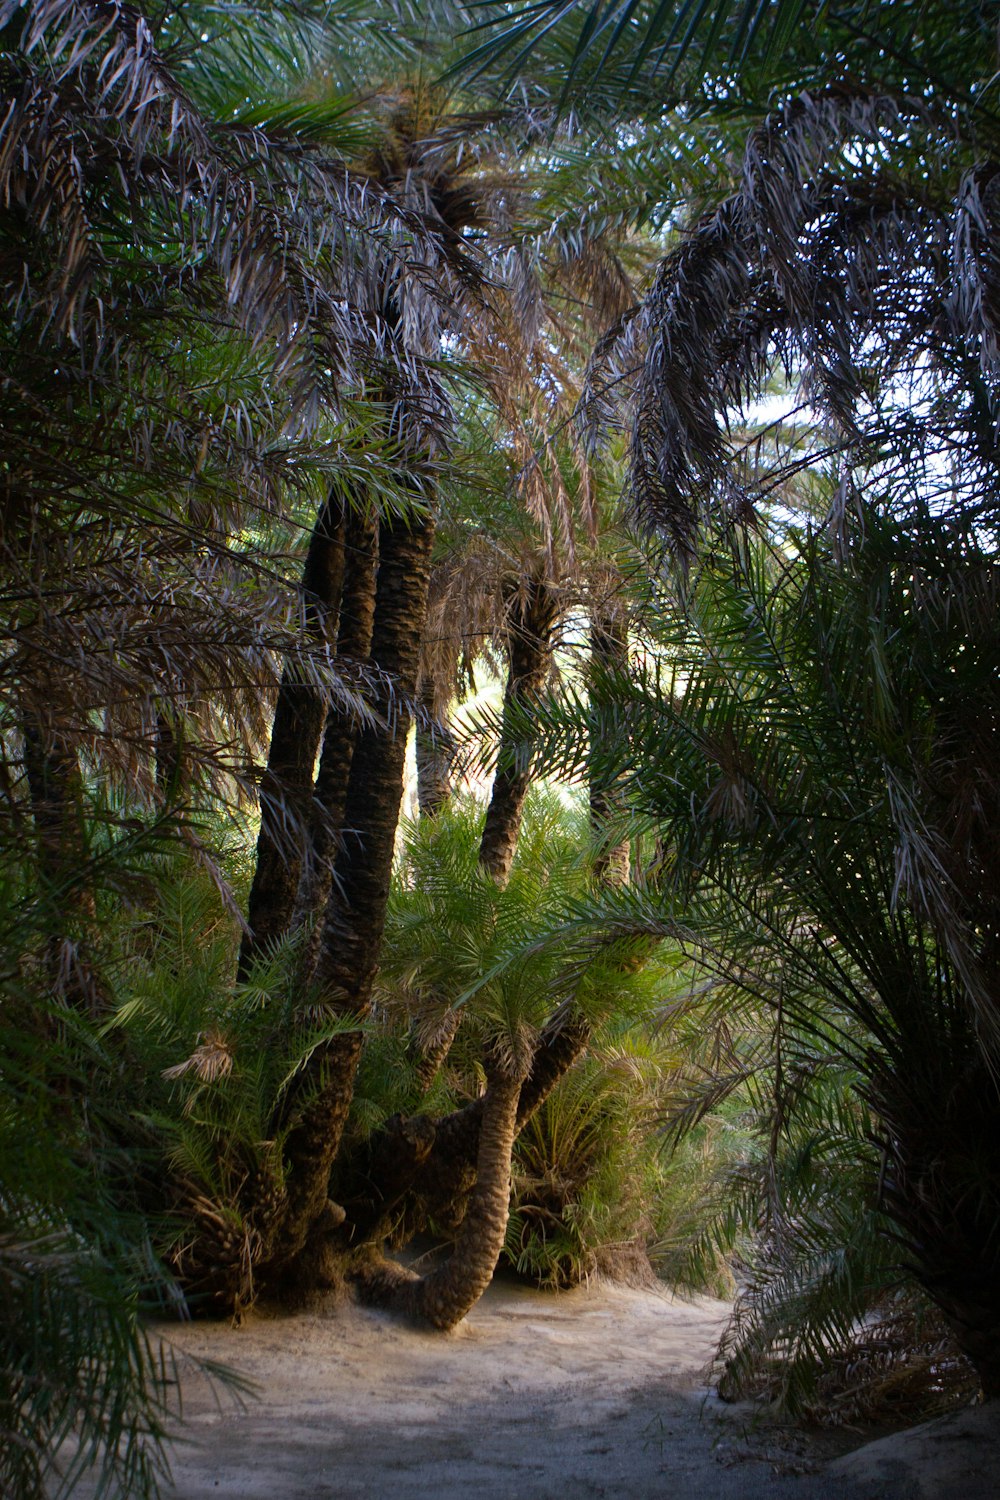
311 1150
435 1161
445 1296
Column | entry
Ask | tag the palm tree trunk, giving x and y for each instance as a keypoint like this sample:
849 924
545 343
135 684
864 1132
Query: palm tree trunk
351 938
608 657
299 716
55 789
434 752
310 1150
355 915
534 618
445 1296
974 1319
438 1174
354 644
941 1182
167 765
428 1049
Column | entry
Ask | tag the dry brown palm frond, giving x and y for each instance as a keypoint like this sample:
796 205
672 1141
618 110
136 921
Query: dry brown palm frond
160 633
107 155
465 605
858 257
902 1366
529 379
211 1059
187 301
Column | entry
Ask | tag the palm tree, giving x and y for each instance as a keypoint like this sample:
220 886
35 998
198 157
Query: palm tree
799 798
447 893
417 159
428 160
169 277
178 355
852 251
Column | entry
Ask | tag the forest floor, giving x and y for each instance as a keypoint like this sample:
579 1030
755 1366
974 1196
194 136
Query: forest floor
597 1392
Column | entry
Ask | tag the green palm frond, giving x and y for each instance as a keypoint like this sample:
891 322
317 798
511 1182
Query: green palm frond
627 56
797 742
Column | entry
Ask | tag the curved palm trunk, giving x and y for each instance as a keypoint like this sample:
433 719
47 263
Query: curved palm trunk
448 1174
445 1296
299 716
435 1161
531 630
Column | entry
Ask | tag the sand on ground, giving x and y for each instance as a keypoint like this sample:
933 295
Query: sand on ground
596 1392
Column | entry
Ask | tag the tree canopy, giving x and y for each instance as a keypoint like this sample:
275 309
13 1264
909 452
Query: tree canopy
638 362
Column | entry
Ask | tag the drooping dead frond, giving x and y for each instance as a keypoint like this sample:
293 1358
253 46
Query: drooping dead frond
211 1059
194 308
858 258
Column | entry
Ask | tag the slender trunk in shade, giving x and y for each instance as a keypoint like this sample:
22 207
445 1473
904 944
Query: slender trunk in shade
299 716
534 617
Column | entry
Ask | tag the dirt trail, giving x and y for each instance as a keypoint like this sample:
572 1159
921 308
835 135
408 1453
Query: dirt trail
594 1393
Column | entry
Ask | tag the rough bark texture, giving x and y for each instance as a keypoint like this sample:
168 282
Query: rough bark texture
310 1150
443 1297
608 655
440 1177
562 1041
533 620
428 1047
354 643
55 789
448 1176
299 716
355 920
435 752
383 1177
355 916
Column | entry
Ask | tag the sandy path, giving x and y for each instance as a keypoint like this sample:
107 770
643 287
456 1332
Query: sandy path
595 1393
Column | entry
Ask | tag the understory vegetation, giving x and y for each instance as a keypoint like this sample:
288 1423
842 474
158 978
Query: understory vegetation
499 711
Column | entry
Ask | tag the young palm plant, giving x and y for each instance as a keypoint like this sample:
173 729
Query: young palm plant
457 938
450 923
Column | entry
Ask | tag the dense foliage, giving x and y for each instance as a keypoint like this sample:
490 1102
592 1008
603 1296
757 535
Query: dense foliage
327 352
